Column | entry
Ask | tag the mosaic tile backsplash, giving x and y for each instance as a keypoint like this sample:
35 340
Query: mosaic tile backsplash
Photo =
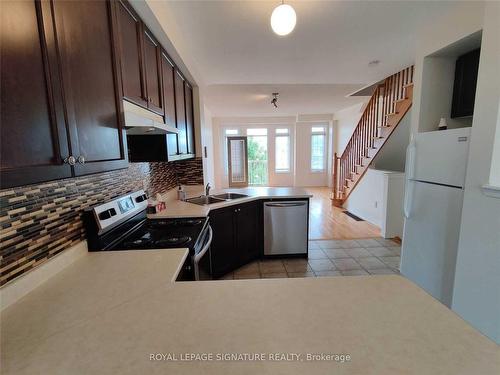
40 221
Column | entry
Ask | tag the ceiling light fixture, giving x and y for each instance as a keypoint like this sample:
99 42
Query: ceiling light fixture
275 99
283 19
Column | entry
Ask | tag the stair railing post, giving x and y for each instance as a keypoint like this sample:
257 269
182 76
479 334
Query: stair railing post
335 189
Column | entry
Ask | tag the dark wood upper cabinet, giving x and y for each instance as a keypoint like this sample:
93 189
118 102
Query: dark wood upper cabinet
180 112
168 88
152 52
33 141
464 88
168 73
130 53
188 94
91 84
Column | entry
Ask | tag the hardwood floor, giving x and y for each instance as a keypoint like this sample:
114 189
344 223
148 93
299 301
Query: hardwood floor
329 222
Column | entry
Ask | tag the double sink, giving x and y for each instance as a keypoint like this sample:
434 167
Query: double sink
218 198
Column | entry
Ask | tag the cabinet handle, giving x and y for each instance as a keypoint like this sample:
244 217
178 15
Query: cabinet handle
71 160
81 159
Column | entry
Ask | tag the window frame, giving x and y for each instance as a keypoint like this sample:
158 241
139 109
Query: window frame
282 135
323 133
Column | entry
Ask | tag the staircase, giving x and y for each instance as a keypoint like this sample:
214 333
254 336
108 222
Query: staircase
386 108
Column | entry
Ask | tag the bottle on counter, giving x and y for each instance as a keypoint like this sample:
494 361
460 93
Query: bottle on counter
181 194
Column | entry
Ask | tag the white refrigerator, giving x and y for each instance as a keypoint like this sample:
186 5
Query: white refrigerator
435 172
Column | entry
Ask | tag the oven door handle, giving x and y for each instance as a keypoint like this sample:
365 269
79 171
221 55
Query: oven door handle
200 255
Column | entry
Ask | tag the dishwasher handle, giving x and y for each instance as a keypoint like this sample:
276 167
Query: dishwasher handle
288 204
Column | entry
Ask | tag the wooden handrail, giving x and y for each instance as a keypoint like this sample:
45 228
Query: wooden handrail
381 104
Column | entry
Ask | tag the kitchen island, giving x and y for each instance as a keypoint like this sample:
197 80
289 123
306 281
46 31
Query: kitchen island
120 312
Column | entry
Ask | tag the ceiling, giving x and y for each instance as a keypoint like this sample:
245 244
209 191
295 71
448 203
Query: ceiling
231 43
255 100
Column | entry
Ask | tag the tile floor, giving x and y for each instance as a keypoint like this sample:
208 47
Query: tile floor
372 256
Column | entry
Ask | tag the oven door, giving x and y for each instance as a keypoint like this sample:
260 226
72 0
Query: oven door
201 260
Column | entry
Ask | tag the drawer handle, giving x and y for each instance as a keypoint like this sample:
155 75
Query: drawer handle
81 159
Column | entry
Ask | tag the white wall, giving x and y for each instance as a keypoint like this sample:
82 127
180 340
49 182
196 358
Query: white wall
207 144
392 156
476 294
394 189
345 123
303 174
495 165
366 199
378 199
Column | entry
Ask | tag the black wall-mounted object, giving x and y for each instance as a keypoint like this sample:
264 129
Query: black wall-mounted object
147 148
464 88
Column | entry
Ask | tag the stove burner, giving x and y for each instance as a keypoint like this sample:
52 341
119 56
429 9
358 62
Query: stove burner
181 240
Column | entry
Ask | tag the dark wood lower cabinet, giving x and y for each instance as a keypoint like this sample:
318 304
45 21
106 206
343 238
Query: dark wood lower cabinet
237 239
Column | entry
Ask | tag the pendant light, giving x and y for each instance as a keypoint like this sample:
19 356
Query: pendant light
283 19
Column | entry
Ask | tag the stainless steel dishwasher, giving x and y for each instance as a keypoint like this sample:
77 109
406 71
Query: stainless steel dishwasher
285 227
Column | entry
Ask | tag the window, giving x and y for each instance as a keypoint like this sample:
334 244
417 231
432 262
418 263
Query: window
282 150
230 132
318 143
258 131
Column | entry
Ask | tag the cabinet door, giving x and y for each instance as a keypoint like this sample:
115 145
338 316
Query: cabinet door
188 94
223 256
33 141
180 112
247 232
94 109
129 37
168 72
153 73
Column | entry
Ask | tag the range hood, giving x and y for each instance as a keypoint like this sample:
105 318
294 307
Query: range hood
140 121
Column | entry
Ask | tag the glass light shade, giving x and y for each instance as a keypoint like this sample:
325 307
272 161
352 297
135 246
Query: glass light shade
283 19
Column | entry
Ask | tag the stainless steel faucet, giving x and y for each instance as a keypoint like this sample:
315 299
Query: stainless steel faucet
207 189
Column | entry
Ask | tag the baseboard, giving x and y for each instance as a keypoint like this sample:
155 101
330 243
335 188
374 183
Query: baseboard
15 290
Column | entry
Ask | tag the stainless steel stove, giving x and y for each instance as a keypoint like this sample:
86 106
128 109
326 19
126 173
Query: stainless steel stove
121 224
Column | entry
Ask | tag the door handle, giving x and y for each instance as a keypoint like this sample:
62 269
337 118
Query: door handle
81 159
284 204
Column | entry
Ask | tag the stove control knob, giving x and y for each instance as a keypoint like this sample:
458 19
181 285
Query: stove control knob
104 215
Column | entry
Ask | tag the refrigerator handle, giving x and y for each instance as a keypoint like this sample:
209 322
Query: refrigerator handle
410 172
407 202
411 152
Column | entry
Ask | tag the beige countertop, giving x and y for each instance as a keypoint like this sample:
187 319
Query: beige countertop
176 208
109 311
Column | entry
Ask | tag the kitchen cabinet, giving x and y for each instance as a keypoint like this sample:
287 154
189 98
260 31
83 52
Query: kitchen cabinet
152 52
139 55
60 92
91 86
464 87
130 52
188 99
237 238
180 111
33 139
168 72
